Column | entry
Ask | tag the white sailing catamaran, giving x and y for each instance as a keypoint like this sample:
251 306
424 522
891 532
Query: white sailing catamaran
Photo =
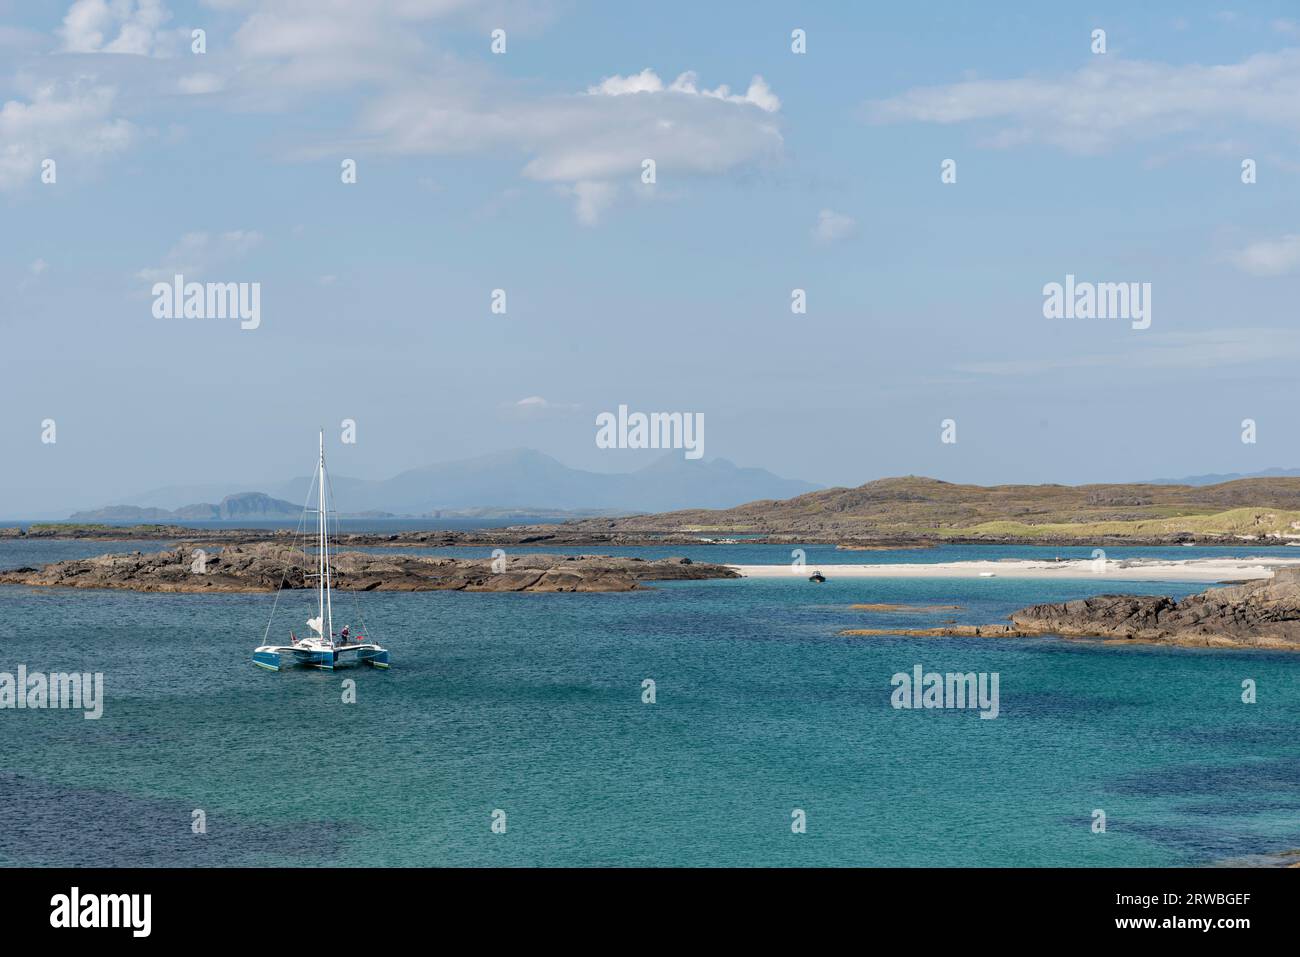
322 648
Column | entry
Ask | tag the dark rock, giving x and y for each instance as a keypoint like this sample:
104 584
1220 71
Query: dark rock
1257 614
265 566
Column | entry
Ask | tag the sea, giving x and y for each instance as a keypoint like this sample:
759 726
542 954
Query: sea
689 724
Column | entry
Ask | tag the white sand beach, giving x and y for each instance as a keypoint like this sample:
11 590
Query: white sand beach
1133 570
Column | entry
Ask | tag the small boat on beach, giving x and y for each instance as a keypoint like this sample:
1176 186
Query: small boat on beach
322 647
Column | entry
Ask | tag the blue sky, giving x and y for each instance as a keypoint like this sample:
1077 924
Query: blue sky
521 171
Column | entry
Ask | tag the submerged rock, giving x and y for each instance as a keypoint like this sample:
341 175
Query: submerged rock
264 566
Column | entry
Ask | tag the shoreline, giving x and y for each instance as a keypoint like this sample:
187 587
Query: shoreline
571 535
1195 570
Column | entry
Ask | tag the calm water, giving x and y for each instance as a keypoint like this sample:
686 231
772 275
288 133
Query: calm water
345 525
532 704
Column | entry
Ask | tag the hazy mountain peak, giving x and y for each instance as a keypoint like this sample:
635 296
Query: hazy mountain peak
526 479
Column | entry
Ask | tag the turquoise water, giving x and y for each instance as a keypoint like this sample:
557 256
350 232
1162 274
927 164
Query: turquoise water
532 704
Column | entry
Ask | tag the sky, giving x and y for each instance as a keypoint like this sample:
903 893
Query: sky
523 171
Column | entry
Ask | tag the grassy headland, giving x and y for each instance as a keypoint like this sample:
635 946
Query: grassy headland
1265 510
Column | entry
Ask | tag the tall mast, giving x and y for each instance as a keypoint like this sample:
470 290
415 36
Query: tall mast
320 535
327 605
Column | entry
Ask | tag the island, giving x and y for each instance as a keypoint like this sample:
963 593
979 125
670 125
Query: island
267 566
917 510
889 513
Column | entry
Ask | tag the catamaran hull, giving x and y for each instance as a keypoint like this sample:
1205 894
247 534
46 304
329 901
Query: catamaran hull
270 660
275 658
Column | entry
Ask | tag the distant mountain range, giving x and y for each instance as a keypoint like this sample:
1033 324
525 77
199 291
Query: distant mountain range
232 508
1218 479
522 481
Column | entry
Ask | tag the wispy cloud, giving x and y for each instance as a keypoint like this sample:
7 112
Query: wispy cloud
1112 101
59 121
832 226
589 143
1269 257
197 253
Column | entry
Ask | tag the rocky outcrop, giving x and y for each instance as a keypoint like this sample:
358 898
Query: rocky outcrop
64 531
264 566
1263 612
1260 614
556 535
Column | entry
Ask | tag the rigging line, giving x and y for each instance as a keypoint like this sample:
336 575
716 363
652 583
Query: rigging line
302 516
356 604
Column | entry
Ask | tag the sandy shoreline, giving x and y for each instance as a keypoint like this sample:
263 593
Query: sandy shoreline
1131 570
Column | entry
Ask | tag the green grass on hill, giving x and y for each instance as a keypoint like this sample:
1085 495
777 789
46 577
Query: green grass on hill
1237 521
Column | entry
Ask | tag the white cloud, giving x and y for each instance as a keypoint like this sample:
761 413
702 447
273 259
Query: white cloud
592 200
1285 26
1269 257
197 253
1112 102
832 226
414 100
586 143
61 122
196 84
647 81
116 26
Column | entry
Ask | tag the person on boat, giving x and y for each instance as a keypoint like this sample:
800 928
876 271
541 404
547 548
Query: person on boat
346 632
